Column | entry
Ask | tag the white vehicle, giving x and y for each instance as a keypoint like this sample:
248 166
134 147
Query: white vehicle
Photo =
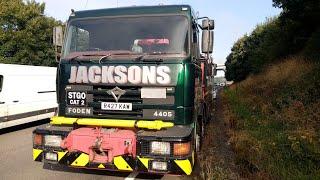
27 94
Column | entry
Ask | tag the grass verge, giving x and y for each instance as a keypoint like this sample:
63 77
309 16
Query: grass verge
274 121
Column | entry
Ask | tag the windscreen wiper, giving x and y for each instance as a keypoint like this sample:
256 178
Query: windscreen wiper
75 58
153 60
106 57
142 57
139 58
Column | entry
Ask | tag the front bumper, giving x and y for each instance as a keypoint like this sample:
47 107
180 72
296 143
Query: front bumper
120 163
141 163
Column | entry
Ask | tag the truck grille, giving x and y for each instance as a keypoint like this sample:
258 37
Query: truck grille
132 95
142 108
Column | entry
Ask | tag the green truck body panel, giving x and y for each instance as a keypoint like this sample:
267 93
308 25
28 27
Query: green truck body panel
182 80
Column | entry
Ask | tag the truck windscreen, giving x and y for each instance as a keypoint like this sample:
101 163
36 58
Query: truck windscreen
144 34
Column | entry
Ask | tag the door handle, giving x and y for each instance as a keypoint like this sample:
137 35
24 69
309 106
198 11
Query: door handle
2 102
15 101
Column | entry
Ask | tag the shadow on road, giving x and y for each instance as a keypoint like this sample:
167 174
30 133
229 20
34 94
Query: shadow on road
55 167
24 126
111 173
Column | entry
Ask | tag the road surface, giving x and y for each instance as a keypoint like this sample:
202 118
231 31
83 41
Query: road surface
16 161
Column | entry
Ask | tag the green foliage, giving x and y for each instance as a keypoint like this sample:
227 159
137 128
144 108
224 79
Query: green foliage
250 53
296 29
276 121
313 46
25 33
305 12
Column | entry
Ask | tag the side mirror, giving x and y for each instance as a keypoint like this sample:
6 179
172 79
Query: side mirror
58 41
57 36
207 24
207 41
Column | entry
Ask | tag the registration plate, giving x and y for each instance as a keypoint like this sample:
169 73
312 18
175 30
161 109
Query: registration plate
116 106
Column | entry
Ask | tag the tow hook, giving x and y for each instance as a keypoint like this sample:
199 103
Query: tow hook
101 144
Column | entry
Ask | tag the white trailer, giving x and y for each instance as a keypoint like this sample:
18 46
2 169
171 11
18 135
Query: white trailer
27 94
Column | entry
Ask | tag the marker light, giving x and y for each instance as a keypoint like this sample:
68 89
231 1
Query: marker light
37 139
160 148
180 149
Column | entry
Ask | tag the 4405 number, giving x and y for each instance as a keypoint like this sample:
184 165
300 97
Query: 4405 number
163 114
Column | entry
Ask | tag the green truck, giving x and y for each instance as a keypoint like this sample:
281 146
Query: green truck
131 91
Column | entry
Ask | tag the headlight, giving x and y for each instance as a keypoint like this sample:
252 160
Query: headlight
160 148
52 140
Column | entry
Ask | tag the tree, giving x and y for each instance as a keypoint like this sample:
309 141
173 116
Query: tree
251 53
305 11
26 33
302 17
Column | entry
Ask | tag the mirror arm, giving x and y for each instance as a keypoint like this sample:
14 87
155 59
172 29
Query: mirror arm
204 17
203 59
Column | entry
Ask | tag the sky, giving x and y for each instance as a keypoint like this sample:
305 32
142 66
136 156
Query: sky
233 18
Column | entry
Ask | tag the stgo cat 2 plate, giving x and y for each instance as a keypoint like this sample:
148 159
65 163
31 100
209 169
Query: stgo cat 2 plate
76 98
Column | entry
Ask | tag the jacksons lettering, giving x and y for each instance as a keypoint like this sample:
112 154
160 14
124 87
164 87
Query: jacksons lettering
120 74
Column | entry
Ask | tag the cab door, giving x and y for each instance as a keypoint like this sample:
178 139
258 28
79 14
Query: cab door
3 103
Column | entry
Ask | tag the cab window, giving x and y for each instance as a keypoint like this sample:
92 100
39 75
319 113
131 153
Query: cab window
146 34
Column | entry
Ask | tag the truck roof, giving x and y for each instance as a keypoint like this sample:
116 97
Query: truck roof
134 10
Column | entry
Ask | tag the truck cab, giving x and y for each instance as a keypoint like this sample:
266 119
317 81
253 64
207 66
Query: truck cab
131 90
